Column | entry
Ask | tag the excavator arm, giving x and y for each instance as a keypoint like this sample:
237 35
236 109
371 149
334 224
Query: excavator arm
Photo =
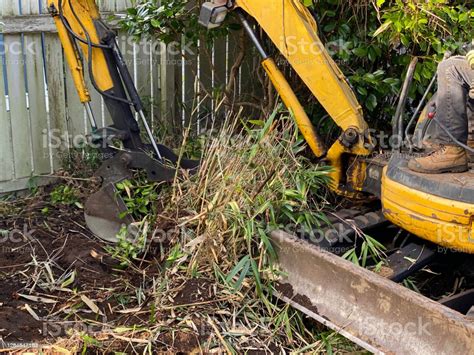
293 30
90 47
89 43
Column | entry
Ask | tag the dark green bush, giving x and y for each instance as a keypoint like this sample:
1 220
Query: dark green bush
168 20
379 38
372 40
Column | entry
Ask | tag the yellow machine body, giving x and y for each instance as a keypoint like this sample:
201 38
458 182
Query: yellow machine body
442 221
293 30
88 12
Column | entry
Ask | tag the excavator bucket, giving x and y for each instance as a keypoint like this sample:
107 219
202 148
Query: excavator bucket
105 211
83 34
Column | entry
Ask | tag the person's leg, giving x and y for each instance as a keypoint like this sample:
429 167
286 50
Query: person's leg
454 81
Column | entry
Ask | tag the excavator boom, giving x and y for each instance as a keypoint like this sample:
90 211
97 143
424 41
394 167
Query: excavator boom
294 34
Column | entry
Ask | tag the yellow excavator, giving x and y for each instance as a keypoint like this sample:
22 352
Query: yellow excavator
434 207
370 309
437 208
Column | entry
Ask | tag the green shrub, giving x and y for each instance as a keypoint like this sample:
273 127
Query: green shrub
64 195
373 41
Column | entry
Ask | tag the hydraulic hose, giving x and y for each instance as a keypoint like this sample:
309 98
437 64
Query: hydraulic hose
456 141
71 31
90 46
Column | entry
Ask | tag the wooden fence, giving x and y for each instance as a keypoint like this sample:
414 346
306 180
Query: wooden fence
40 114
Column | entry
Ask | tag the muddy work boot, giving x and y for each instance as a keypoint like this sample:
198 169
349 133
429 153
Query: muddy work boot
429 147
446 159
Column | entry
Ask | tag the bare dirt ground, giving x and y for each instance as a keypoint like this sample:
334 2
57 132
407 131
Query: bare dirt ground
61 290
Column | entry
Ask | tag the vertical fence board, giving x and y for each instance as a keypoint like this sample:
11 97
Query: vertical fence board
38 113
144 75
75 110
20 121
220 71
179 86
36 89
206 77
189 61
155 87
106 5
6 154
43 6
121 5
232 55
25 6
128 52
9 7
57 97
169 89
20 116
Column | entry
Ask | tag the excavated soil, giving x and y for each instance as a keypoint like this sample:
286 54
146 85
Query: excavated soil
42 245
